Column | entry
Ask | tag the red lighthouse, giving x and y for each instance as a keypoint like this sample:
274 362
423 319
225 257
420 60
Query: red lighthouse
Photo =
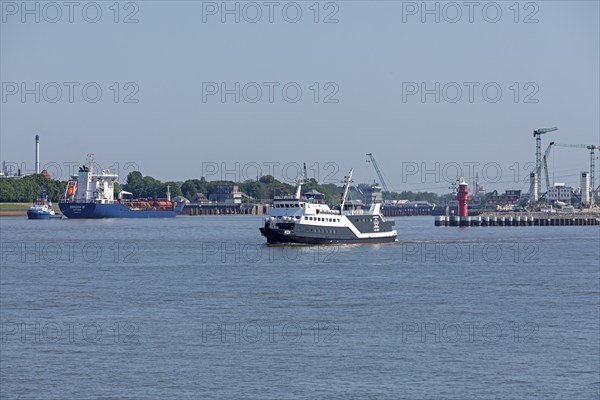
462 195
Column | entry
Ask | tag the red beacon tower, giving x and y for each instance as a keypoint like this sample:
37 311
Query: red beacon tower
462 195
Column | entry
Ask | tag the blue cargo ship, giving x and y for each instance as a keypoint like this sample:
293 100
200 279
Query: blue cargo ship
91 195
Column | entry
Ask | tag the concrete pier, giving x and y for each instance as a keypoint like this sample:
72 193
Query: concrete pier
225 209
522 219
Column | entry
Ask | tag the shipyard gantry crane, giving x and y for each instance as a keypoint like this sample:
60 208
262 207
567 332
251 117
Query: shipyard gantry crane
592 148
537 134
383 185
545 164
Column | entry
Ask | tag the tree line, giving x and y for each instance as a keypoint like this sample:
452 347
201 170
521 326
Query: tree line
28 188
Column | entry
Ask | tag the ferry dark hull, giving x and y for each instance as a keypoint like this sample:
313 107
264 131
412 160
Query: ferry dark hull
116 210
279 236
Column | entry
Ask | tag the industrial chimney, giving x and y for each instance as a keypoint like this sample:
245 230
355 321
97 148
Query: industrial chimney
37 154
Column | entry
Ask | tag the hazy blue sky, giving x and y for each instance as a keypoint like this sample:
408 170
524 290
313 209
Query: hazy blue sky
372 61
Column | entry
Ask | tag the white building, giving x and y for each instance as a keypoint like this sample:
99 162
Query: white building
559 192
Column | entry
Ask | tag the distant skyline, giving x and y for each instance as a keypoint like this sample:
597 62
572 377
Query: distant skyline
185 89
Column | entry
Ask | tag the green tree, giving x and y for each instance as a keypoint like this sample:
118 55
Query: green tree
7 190
174 188
117 189
152 187
267 179
135 184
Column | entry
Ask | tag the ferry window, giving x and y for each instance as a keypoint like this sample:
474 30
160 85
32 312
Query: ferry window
287 206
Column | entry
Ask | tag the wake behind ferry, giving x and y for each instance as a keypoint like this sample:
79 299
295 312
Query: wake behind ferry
308 220
91 195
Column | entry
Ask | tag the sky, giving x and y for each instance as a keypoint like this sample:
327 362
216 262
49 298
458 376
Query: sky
236 90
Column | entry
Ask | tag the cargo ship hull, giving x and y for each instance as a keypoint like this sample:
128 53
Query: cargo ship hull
116 210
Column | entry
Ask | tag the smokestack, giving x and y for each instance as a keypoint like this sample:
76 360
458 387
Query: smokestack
37 154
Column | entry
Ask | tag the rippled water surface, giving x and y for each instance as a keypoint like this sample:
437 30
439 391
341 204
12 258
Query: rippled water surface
199 307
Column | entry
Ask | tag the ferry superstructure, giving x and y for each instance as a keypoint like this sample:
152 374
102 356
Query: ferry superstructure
308 220
91 195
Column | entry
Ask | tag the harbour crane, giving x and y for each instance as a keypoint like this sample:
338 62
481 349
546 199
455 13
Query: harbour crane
537 134
383 185
545 165
592 148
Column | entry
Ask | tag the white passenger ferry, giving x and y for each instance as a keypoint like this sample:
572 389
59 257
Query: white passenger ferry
306 219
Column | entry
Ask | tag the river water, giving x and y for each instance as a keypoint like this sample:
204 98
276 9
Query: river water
200 307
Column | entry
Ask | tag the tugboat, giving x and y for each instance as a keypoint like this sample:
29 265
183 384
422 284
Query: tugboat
41 208
306 219
91 195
